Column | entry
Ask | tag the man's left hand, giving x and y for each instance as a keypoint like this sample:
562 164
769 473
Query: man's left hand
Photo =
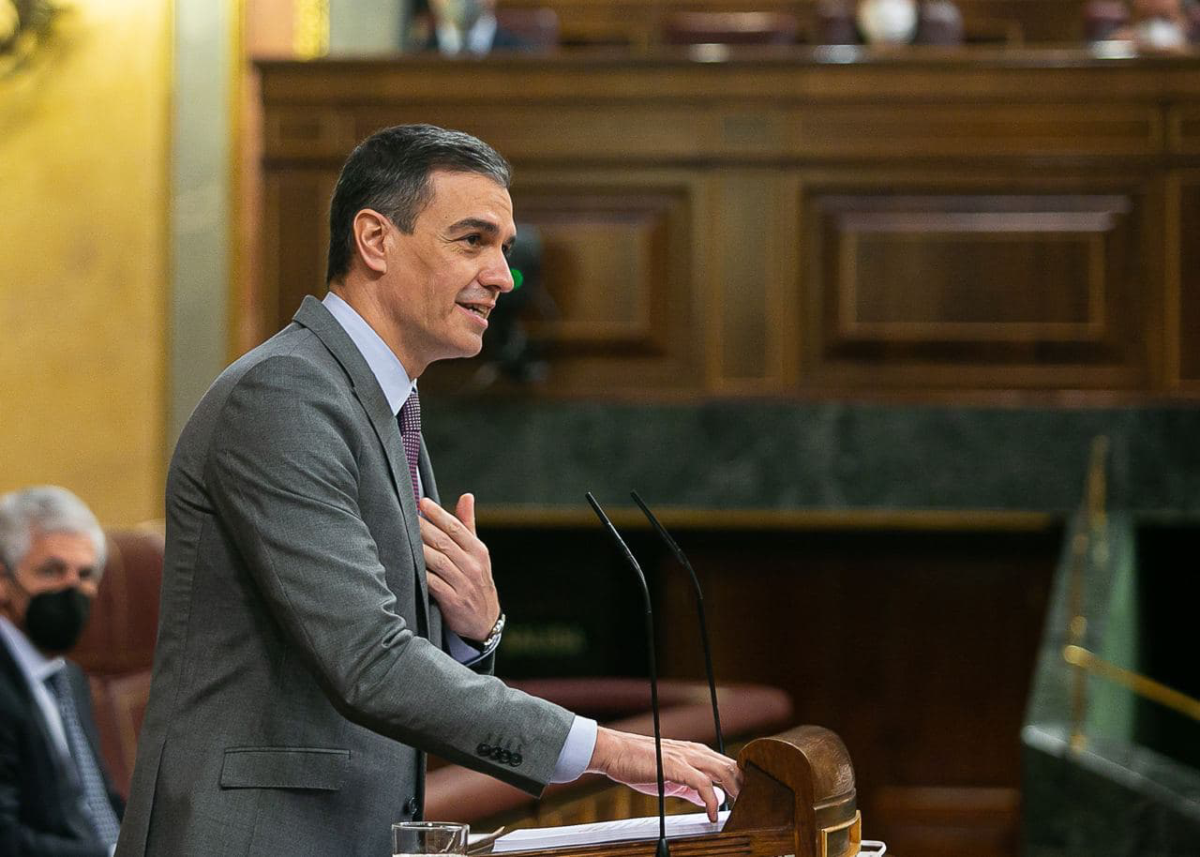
460 569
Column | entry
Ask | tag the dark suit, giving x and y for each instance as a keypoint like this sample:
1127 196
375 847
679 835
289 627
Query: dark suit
40 800
292 701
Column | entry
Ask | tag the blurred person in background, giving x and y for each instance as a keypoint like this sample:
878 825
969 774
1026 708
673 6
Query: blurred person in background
454 27
56 799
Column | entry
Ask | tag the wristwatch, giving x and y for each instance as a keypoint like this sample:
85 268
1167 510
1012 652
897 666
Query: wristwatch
493 637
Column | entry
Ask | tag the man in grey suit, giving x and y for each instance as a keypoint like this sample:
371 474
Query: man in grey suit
317 634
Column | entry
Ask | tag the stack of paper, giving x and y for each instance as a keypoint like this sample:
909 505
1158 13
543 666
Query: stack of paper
626 830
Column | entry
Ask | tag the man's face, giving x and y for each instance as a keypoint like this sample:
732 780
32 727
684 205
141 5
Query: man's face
54 561
443 280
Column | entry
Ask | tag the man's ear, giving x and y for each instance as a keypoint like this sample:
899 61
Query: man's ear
371 232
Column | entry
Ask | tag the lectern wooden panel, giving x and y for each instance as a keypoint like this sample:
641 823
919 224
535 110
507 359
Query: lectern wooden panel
798 798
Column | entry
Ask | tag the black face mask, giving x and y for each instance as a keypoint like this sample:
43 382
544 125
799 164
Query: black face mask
54 620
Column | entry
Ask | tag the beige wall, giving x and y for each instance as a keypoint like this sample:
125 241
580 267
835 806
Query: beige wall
84 143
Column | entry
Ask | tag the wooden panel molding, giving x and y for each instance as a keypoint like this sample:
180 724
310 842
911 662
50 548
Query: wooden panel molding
607 263
1186 282
1184 130
295 248
618 261
991 282
913 223
997 129
637 22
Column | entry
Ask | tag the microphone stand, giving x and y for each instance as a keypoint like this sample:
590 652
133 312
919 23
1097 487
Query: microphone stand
662 850
708 667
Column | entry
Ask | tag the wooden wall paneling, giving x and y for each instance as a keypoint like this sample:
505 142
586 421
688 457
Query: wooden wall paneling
606 265
992 129
751 315
976 132
577 129
1034 281
921 666
1183 129
618 266
1184 278
637 22
295 241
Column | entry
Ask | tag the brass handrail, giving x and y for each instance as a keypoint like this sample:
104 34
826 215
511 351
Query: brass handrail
1091 538
1143 686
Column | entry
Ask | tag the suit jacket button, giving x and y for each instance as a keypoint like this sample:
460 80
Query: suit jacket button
515 760
496 753
410 806
484 749
505 756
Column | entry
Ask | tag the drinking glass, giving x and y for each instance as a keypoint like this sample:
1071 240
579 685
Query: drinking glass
419 838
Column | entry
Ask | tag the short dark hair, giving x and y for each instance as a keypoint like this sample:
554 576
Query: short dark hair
389 172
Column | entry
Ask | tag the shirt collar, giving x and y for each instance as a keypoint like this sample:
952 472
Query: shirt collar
384 363
36 666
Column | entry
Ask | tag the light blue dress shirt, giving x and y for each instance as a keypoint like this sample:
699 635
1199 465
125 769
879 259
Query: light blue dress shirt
397 386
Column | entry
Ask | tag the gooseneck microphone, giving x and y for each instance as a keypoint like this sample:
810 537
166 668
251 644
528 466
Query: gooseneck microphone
633 563
708 667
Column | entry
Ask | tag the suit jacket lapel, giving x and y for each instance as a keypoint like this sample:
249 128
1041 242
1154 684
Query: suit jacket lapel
16 680
313 315
65 779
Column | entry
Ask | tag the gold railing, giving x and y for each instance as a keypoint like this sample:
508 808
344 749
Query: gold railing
1089 546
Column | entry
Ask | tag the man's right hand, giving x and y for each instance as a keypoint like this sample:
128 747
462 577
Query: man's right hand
689 770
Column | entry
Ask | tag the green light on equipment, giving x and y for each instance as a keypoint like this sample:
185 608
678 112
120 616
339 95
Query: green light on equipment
518 278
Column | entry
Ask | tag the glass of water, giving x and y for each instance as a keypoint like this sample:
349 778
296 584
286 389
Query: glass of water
419 838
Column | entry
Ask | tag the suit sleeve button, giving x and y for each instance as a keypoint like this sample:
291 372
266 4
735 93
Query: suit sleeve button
484 749
515 760
410 806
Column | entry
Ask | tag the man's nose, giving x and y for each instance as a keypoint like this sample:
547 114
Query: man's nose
498 276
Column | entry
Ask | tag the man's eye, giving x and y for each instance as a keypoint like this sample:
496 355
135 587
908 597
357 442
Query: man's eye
474 240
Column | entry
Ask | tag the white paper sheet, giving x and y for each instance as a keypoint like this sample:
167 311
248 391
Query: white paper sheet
625 830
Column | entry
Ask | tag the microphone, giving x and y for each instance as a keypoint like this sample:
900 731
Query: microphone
633 563
708 667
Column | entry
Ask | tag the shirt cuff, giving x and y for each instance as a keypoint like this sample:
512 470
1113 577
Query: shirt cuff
576 752
464 652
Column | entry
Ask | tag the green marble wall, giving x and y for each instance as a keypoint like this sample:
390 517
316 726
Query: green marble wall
832 455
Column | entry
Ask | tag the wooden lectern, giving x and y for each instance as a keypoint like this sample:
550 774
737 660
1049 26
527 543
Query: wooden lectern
797 798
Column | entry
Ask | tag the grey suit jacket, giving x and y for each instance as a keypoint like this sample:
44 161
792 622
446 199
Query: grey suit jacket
293 695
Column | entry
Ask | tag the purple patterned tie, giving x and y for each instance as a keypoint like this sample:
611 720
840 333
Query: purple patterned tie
410 433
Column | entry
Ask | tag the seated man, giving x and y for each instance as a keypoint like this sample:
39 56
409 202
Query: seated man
55 797
454 27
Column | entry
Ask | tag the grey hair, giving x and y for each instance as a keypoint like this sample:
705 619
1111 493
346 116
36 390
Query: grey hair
44 509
